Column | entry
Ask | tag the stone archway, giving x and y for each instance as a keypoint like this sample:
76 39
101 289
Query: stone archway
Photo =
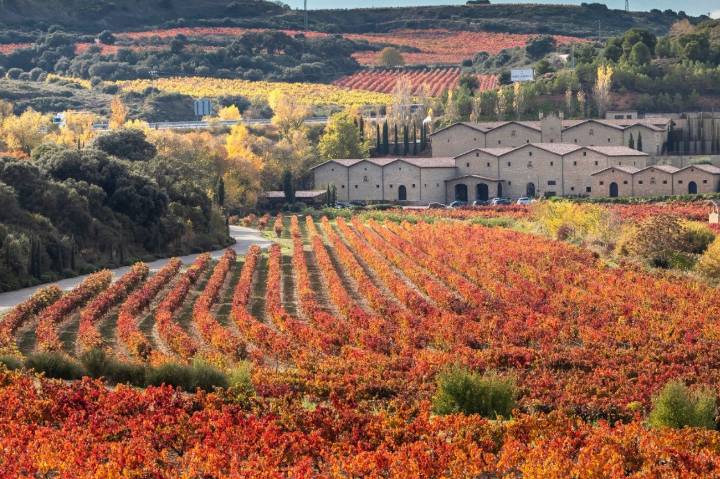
461 192
482 192
530 190
402 193
692 188
614 193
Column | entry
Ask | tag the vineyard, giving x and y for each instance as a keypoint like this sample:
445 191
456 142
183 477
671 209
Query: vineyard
346 324
432 80
444 46
308 93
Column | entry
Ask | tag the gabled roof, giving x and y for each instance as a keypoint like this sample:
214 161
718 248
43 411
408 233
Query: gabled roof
666 168
631 170
712 169
616 150
430 162
561 149
479 177
499 151
474 126
594 121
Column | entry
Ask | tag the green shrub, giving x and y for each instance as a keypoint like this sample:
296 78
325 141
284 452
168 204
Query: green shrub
98 364
676 406
173 374
240 380
11 363
54 365
207 377
463 391
199 375
709 263
697 236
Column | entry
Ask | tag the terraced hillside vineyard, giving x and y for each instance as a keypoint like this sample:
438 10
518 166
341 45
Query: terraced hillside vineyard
432 80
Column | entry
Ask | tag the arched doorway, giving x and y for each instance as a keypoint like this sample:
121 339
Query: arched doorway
613 190
461 193
499 190
692 188
482 193
402 193
530 190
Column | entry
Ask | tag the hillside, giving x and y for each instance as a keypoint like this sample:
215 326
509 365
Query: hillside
92 17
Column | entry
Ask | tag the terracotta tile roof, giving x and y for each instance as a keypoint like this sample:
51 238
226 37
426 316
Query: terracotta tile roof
434 162
298 194
557 148
665 168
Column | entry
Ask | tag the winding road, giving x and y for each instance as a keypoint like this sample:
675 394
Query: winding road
244 238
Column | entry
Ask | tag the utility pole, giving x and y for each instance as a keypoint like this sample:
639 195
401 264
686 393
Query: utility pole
599 34
306 15
627 5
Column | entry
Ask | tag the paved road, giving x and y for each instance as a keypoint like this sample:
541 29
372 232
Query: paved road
244 238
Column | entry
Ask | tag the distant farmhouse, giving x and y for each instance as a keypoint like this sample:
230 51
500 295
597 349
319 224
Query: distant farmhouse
550 157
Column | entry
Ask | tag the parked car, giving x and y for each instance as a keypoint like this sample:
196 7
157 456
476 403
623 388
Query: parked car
500 201
342 205
481 202
524 200
436 206
457 204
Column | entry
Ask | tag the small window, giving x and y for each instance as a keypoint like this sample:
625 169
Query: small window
332 169
377 186
529 165
572 188
591 132
509 183
704 181
477 155
474 139
366 168
499 142
584 153
399 168
588 189
652 180
625 182
437 185
551 183
574 163
664 182
527 141
575 140
596 163
509 164
602 183
413 185
679 182
513 133
365 179
640 182
552 163
620 163
467 165
391 185
425 185
356 187
488 164
529 153
608 140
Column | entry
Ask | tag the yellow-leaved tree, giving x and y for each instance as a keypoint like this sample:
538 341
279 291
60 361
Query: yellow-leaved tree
288 112
242 173
77 130
603 84
118 113
230 112
24 132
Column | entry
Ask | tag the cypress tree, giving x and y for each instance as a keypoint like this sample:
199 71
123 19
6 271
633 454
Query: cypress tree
414 139
386 139
288 189
406 141
361 125
378 147
631 143
396 148
639 142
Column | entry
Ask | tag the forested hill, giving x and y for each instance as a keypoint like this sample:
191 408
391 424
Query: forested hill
96 15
